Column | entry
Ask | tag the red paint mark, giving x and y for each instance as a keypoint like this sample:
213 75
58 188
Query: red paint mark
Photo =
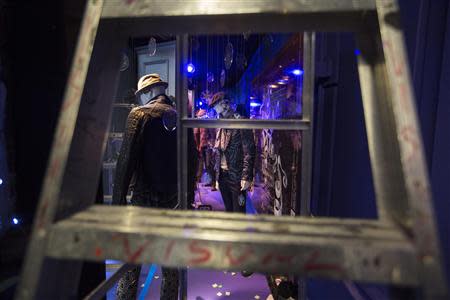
408 135
61 137
73 95
312 265
98 251
54 167
239 260
205 253
169 250
132 256
398 65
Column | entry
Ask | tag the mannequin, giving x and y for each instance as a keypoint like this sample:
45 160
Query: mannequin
154 91
148 163
236 149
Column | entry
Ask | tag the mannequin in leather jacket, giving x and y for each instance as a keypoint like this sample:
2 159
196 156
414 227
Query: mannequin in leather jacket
148 165
236 148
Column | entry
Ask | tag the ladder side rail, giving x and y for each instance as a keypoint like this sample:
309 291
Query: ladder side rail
379 120
79 185
421 216
48 201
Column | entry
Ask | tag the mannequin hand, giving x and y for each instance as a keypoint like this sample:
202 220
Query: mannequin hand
245 184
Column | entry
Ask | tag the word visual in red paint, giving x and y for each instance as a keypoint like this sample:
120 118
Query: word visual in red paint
235 261
98 251
312 264
203 253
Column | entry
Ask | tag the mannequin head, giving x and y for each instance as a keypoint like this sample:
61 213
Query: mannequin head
150 86
221 104
222 107
151 93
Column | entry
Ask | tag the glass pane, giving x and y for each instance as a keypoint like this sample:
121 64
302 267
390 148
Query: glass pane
261 75
275 176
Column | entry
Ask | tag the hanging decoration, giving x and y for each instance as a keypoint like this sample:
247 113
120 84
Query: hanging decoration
124 62
228 57
151 46
223 76
210 77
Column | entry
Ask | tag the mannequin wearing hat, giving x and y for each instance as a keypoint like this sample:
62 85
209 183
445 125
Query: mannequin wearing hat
236 148
147 164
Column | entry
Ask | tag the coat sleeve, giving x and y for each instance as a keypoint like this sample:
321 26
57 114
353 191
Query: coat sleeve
249 149
126 163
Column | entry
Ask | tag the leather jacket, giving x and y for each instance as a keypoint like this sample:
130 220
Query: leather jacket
238 146
147 161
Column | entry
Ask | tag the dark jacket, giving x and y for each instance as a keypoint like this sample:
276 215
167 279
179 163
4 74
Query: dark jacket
238 146
147 161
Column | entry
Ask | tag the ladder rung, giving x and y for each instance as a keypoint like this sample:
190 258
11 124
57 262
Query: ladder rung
121 8
354 249
247 124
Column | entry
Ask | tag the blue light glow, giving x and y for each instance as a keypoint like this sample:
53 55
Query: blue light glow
200 103
190 68
15 221
254 104
297 72
1 181
357 52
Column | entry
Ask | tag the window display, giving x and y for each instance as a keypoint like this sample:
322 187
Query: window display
253 171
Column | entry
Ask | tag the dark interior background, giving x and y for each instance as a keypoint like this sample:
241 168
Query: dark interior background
37 41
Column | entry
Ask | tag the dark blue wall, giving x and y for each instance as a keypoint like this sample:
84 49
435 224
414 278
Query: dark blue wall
348 191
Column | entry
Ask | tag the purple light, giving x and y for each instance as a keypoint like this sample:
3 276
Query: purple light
200 103
15 221
254 104
297 72
190 68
